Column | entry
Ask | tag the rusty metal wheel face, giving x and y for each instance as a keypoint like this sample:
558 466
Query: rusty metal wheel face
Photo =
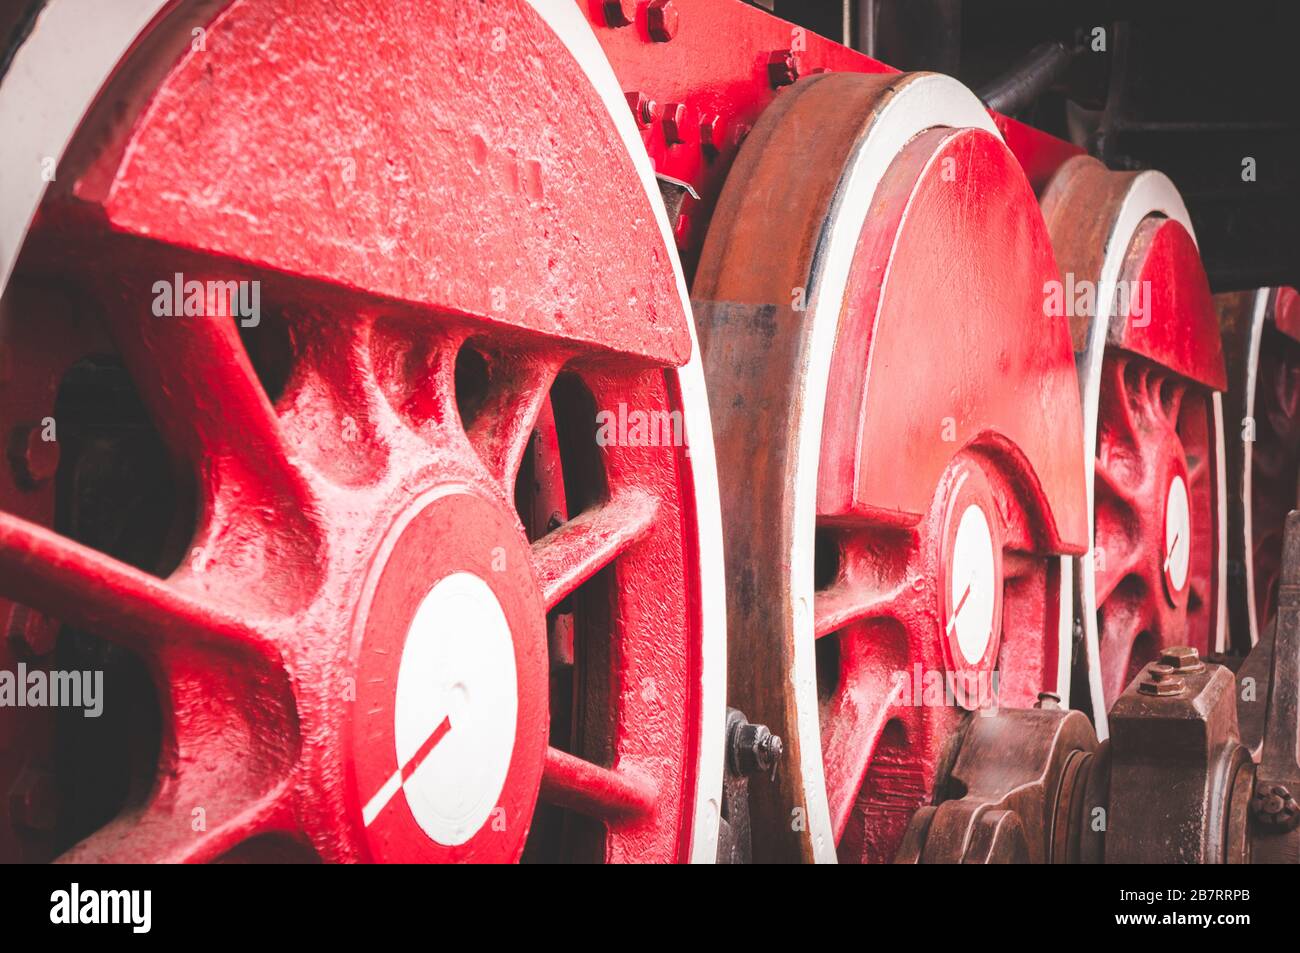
436 586
1261 337
919 510
1152 376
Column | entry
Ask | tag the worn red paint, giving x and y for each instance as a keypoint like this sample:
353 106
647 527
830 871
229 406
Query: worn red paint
275 154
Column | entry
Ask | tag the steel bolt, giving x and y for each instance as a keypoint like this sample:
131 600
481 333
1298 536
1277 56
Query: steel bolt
1183 659
782 67
1162 680
643 108
1274 807
674 123
713 130
661 20
33 800
34 459
754 748
619 12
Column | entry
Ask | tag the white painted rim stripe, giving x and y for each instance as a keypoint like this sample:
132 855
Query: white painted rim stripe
565 18
53 79
1258 315
1221 478
921 102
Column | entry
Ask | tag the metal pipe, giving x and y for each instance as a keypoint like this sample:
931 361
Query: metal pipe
1015 90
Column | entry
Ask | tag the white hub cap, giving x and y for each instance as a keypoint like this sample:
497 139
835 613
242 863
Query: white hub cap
974 583
1178 528
454 721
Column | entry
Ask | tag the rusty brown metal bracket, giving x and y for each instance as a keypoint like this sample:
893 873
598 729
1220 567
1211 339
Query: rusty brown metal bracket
1012 792
1174 731
752 752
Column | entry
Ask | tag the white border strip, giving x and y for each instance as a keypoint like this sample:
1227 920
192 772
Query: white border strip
53 79
1258 315
1221 510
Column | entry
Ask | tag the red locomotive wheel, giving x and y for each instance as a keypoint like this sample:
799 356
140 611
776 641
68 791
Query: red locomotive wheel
1151 374
879 372
442 578
1261 340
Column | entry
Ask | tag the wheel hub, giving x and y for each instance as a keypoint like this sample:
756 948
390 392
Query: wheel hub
449 723
972 609
1178 530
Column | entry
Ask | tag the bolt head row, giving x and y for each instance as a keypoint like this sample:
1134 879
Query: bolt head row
1165 678
661 17
673 117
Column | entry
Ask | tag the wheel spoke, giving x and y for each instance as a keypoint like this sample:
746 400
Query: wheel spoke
216 715
589 789
1119 632
334 413
336 360
83 587
847 602
202 392
504 424
573 553
1109 579
853 724
427 396
164 831
1110 483
1117 416
1173 403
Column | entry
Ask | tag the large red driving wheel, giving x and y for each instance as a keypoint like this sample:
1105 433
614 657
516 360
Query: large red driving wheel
1261 340
441 551
878 372
1151 375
